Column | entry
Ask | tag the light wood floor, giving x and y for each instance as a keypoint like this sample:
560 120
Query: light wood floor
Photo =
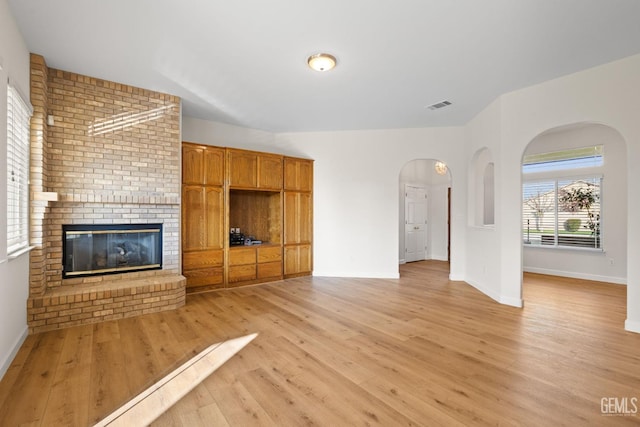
420 350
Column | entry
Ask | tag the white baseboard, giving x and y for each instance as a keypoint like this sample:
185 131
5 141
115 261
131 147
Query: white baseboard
574 275
632 326
514 302
402 261
439 258
363 275
14 350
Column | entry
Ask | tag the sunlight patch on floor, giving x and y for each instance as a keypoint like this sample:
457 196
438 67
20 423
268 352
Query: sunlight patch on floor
157 399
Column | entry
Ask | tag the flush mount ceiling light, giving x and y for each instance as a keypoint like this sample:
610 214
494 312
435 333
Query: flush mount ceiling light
441 168
321 61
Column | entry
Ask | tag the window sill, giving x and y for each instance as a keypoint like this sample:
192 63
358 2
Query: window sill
564 248
19 252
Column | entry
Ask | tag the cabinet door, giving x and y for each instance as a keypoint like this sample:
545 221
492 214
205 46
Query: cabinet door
297 217
297 260
214 166
192 164
202 217
202 164
243 169
270 172
213 225
298 174
193 217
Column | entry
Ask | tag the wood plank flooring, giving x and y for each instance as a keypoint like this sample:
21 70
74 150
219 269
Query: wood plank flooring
420 350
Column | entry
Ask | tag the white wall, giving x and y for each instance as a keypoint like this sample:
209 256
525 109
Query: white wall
485 267
421 172
224 135
592 265
14 274
356 195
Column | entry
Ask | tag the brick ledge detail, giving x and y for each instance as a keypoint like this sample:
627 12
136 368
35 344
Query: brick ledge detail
119 199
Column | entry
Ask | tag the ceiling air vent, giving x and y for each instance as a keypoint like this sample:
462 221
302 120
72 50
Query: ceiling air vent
439 105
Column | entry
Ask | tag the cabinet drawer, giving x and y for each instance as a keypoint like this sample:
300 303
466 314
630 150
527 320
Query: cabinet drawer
242 256
201 259
270 254
204 277
240 273
270 269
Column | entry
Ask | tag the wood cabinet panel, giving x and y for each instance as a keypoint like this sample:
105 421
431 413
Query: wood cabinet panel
213 225
298 220
202 165
297 260
241 273
193 217
269 254
205 277
192 164
249 169
241 256
243 168
298 174
214 166
269 172
270 270
305 260
202 218
202 259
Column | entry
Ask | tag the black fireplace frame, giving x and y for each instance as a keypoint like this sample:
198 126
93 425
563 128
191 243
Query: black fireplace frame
74 228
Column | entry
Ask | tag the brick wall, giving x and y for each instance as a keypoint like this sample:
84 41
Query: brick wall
112 156
38 177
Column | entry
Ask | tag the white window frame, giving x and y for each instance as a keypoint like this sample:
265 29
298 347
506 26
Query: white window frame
580 172
19 113
556 212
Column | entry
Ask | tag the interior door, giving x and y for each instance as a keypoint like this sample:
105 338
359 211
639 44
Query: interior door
415 220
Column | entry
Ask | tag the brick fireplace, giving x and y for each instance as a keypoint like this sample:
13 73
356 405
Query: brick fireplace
102 153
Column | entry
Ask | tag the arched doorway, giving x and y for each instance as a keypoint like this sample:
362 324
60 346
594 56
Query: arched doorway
590 239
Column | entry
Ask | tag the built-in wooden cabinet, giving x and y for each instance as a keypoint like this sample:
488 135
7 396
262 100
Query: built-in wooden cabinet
267 196
203 201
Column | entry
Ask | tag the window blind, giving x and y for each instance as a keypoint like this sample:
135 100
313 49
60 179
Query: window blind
563 212
18 114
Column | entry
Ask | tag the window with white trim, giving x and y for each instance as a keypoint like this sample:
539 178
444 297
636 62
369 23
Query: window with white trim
18 114
561 206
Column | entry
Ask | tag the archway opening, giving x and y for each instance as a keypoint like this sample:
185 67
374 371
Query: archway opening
574 203
424 205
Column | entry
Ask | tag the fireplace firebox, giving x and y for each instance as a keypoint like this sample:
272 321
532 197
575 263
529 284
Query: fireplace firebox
95 249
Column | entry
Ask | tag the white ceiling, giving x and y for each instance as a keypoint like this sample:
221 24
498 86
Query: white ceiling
244 62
